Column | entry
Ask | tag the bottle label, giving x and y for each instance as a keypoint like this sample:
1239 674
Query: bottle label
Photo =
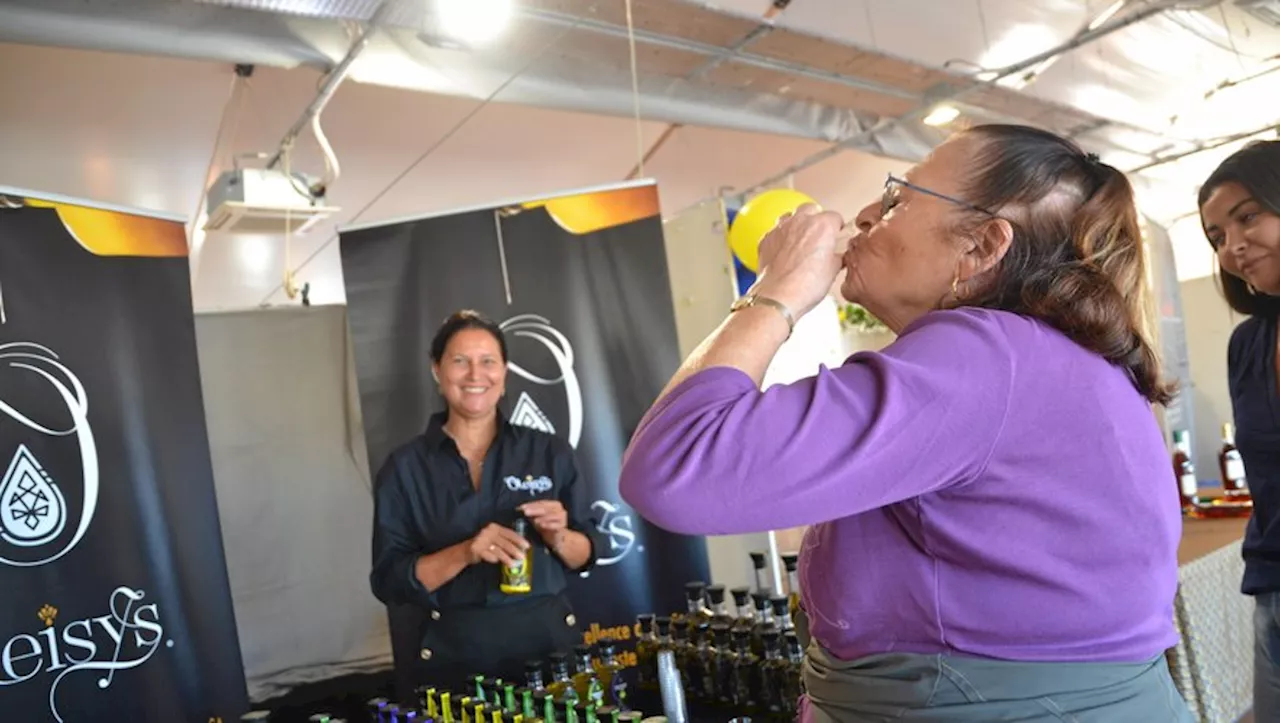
1235 469
1190 488
618 690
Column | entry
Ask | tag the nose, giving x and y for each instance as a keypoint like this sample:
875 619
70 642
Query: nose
1235 242
869 216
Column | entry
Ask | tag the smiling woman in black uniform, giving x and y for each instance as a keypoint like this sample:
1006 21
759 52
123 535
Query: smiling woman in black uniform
1240 210
445 504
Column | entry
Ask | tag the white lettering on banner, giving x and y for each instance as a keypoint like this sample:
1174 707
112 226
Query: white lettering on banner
530 484
33 510
617 526
532 326
122 640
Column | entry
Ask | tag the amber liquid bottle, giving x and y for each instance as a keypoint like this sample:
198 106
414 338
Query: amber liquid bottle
719 610
746 619
746 673
757 567
726 660
791 563
774 672
696 609
561 685
1185 472
704 662
585 683
792 688
1231 465
517 578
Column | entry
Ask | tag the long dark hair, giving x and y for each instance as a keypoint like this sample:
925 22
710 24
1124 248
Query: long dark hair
1076 260
1257 168
465 319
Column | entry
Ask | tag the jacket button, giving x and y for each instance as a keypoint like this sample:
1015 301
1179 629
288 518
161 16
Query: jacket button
435 614
570 620
426 654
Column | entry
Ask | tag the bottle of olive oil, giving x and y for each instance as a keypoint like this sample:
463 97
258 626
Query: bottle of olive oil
704 657
791 563
612 679
533 676
517 578
585 682
565 712
697 612
794 654
543 706
774 673
763 621
781 609
683 654
647 653
719 610
725 658
758 567
561 685
746 617
746 673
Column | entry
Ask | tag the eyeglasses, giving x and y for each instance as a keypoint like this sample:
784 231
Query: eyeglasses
892 184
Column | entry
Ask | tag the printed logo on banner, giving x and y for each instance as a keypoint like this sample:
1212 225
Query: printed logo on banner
123 639
614 522
33 509
532 326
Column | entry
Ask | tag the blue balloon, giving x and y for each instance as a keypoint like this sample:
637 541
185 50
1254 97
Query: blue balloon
745 276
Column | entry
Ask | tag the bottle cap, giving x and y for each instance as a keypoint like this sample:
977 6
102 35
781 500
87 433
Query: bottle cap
520 526
769 634
680 632
740 595
761 598
663 624
715 593
606 648
721 632
694 590
581 650
790 561
757 560
645 618
779 604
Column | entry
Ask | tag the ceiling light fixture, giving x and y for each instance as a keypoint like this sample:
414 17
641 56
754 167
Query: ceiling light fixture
942 115
474 22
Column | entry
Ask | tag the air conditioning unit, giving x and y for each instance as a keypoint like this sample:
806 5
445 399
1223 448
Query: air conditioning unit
262 201
1268 11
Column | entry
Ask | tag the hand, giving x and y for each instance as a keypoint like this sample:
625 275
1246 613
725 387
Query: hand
497 544
800 258
549 518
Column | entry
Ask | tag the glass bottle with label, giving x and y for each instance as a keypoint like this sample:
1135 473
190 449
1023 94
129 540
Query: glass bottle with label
703 662
517 578
561 685
725 661
585 683
774 671
791 563
533 676
719 610
764 620
746 670
611 676
794 654
1231 465
758 562
544 706
647 652
781 609
695 603
746 618
565 712
1184 471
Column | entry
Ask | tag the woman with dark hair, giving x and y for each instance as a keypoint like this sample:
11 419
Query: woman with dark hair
1240 212
994 530
446 503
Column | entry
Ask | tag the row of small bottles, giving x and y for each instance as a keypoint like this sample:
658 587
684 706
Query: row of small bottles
594 692
745 663
1235 500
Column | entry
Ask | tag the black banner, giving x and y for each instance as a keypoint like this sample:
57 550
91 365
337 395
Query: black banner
115 603
580 285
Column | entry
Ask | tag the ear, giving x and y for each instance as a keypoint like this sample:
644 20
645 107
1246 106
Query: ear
435 372
991 242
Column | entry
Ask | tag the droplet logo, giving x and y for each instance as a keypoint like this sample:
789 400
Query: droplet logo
33 509
539 329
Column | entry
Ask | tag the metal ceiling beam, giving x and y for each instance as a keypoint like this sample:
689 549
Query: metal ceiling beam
1228 140
1151 9
713 51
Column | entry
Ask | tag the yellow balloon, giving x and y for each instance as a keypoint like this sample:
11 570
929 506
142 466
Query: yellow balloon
757 219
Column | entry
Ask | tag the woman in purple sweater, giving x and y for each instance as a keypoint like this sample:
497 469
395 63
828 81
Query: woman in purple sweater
994 523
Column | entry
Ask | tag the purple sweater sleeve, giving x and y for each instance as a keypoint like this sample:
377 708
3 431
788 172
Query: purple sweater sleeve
718 456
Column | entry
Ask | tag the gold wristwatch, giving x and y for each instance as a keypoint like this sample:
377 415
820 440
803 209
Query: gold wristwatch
752 299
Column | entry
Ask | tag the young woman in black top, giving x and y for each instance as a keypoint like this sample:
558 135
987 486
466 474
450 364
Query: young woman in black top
1240 211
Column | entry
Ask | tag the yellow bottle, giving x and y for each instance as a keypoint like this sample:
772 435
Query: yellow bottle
517 579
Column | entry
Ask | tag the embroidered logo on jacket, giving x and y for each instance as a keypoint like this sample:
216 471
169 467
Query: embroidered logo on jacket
532 485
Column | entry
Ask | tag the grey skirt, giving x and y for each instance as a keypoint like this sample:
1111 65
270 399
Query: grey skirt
958 689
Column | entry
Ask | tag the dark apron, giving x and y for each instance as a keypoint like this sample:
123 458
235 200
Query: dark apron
495 641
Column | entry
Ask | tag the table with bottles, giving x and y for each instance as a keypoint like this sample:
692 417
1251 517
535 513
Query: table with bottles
703 664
